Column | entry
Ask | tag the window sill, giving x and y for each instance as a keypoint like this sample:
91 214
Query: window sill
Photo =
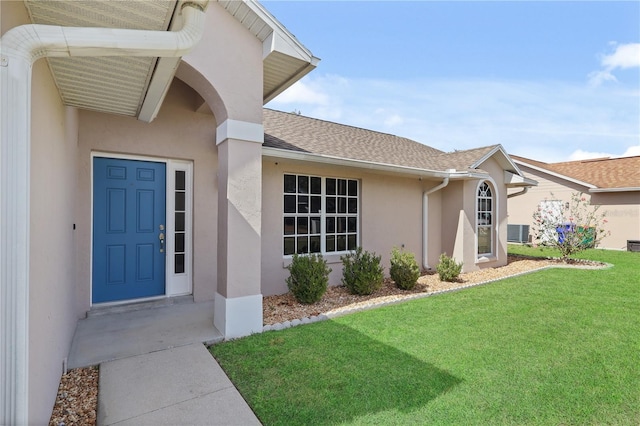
330 258
486 259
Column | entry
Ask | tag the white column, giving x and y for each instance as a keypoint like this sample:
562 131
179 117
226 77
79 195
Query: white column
15 128
238 301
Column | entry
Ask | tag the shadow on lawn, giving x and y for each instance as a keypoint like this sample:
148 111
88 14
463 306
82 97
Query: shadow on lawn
339 375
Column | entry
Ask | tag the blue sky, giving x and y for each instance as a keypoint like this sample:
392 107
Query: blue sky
553 81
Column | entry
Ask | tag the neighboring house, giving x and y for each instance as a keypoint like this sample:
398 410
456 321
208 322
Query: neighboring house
612 183
136 166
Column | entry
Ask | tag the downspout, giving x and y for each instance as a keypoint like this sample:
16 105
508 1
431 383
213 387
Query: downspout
20 47
425 221
517 194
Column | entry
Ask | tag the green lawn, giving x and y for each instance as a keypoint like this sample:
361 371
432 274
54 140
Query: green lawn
560 346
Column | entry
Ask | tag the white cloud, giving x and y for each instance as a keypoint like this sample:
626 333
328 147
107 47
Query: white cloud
586 155
625 56
547 121
579 154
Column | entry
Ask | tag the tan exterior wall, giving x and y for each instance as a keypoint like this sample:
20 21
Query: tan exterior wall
177 133
459 220
52 313
622 208
390 216
226 69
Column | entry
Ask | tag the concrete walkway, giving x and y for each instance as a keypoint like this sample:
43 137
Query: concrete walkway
179 386
154 367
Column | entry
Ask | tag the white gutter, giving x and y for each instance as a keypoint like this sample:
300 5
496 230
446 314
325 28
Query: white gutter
519 193
20 47
362 164
625 189
425 221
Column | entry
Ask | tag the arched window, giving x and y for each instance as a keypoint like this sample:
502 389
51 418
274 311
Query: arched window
485 218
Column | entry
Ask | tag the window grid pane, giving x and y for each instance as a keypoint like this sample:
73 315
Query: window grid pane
301 232
484 220
320 214
342 216
180 209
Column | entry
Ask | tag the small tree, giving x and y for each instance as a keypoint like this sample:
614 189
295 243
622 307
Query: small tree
576 227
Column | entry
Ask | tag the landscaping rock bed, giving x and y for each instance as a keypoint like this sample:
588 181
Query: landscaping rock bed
77 398
284 308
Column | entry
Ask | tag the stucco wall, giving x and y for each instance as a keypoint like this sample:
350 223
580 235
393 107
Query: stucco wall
226 69
177 133
390 216
622 208
459 220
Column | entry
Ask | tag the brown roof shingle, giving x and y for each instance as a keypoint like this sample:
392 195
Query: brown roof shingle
604 173
309 135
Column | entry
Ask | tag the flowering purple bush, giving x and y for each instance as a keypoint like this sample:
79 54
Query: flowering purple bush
571 228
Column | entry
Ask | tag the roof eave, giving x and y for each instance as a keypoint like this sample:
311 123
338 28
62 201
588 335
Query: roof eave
284 57
558 175
507 162
625 189
513 180
361 164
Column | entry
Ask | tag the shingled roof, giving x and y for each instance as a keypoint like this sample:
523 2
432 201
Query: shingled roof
604 173
293 132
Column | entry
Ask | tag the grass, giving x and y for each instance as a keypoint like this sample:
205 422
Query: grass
560 346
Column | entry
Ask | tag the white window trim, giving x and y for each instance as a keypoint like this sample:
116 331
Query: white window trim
487 257
175 284
334 256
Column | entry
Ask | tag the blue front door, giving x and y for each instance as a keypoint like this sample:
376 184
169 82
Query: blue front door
128 229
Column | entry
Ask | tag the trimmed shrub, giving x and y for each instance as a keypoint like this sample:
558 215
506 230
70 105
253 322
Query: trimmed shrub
448 269
404 269
362 272
308 278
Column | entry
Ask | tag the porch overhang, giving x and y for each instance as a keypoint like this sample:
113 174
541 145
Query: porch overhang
136 87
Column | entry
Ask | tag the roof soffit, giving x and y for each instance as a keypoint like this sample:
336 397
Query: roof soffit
116 85
285 59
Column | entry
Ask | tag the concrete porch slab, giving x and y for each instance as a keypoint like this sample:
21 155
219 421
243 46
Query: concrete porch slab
120 334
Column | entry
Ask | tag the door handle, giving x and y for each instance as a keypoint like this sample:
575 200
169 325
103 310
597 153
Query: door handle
161 238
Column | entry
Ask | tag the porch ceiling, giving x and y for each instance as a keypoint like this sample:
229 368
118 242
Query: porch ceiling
116 85
135 86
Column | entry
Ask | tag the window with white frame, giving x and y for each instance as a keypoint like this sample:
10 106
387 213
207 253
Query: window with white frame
320 214
484 225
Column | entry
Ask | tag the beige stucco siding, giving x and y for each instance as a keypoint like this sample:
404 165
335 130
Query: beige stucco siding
459 204
53 310
390 216
622 208
226 68
177 133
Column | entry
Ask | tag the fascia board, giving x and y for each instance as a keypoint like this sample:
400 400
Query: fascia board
361 164
514 180
499 148
627 189
280 38
558 175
